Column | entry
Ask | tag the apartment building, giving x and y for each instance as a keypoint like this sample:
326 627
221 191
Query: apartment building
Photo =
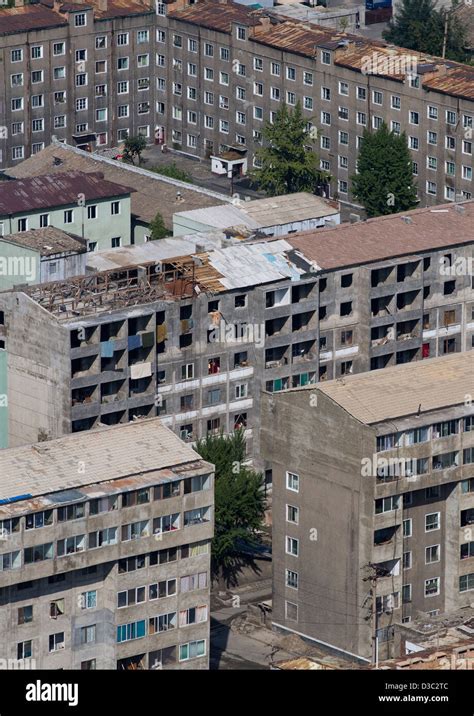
196 337
246 64
220 71
105 551
373 479
81 72
86 205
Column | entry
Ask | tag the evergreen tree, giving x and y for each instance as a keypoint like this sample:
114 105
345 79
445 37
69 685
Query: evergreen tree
288 164
419 25
158 229
384 182
239 499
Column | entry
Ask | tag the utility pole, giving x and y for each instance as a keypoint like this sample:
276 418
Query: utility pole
372 578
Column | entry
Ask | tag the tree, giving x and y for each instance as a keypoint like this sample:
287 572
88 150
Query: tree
419 25
173 171
133 147
288 165
239 499
384 182
158 228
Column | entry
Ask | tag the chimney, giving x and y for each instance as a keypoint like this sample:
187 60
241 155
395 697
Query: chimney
103 5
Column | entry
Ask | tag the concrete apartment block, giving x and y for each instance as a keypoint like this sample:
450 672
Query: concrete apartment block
195 338
105 551
373 502
205 77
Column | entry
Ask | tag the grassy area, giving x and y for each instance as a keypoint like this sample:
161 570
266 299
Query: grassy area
172 171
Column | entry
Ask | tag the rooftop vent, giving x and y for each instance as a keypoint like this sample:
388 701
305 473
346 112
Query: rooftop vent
459 209
407 219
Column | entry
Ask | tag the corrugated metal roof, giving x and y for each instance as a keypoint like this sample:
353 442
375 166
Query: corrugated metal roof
21 196
90 457
387 236
402 390
261 213
216 15
252 264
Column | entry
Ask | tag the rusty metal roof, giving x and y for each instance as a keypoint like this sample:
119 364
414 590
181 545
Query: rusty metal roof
22 196
29 17
216 15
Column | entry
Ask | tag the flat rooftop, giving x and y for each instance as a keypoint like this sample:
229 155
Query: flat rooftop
108 453
262 213
49 241
386 237
151 192
400 391
45 191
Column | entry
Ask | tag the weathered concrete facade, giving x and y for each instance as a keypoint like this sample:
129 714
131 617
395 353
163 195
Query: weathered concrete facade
112 573
372 502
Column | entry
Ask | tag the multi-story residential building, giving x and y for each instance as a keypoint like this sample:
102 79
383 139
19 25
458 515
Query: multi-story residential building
195 338
81 72
105 551
246 64
86 205
373 502
206 76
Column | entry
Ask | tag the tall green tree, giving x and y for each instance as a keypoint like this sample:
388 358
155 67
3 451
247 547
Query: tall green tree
239 499
420 25
133 148
384 182
158 229
289 163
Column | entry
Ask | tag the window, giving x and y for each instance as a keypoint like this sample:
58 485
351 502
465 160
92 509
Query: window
406 593
192 650
292 514
466 582
291 579
407 560
432 554
291 611
37 76
16 55
292 546
10 560
292 482
56 641
158 590
407 527
25 614
39 519
377 97
88 600
387 504
88 634
24 650
431 587
135 530
71 512
325 57
432 521
193 582
80 20
133 630
71 545
130 597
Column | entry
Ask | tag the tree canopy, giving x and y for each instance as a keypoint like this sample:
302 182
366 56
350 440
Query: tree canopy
288 162
158 229
420 25
384 182
239 499
133 148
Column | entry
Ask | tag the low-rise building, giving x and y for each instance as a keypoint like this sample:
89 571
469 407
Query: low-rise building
105 551
40 256
276 216
87 205
373 502
150 192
